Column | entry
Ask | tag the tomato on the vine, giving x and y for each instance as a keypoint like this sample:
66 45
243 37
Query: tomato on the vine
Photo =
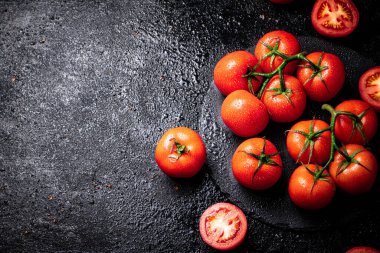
244 113
306 144
348 130
325 81
230 70
180 152
283 42
223 226
256 164
355 173
334 18
369 87
362 249
284 105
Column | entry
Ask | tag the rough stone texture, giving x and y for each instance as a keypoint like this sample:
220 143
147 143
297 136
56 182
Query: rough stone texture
88 87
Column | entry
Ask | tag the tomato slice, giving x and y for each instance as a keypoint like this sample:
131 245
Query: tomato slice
369 87
335 18
223 226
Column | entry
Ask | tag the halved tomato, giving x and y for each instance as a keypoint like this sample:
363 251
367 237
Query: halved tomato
369 87
335 18
223 226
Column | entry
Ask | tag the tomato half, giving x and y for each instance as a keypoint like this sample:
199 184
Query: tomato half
334 18
256 164
287 106
362 249
244 113
344 127
324 83
357 174
308 193
180 152
229 71
223 226
369 87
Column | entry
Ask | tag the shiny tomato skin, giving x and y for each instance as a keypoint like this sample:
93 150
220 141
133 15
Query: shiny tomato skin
322 144
355 179
229 71
362 249
188 163
333 77
288 45
245 165
369 87
244 113
300 185
226 219
330 27
279 108
343 127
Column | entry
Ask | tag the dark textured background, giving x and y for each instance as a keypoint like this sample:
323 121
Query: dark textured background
88 87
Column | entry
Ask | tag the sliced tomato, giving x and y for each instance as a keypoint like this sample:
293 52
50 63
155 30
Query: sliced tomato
335 18
369 87
223 226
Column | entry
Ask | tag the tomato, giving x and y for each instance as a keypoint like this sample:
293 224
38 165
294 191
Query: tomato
308 192
324 83
256 164
223 226
287 44
369 87
287 106
282 1
229 71
362 249
180 152
305 145
356 174
334 18
345 130
244 113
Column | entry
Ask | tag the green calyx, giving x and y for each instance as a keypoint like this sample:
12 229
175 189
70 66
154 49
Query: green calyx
318 175
317 71
178 148
348 159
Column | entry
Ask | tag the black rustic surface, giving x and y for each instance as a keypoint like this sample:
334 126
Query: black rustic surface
86 90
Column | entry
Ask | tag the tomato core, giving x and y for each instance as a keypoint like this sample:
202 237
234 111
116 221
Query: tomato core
222 225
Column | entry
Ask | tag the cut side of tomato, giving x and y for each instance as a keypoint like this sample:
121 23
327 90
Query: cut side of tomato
335 18
223 226
369 87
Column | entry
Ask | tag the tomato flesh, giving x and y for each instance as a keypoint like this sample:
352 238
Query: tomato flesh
369 87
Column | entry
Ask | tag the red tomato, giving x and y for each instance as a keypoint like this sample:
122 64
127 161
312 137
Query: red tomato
223 226
287 44
256 164
356 175
307 194
324 83
244 113
334 18
180 152
287 106
229 71
282 1
362 249
369 87
344 128
302 138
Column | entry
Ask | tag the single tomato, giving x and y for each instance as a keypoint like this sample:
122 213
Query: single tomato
348 131
334 18
256 164
324 82
357 172
223 226
369 87
284 106
309 189
244 113
307 142
180 152
281 41
362 249
230 70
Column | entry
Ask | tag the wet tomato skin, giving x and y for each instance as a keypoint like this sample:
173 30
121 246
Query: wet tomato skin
369 87
223 226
